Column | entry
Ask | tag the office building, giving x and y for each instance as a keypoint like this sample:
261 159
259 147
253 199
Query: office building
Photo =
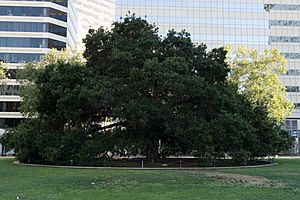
258 24
30 28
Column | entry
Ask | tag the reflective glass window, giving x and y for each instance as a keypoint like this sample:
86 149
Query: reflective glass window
23 42
31 43
292 88
269 7
295 72
6 122
10 90
32 11
56 44
291 125
60 2
23 26
284 23
23 11
291 55
56 14
20 57
58 30
33 27
297 105
284 39
9 106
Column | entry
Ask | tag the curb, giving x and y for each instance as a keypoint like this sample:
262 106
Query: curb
139 168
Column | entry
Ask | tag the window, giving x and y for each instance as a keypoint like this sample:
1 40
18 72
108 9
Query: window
284 39
58 30
284 23
9 90
4 123
9 106
20 57
269 7
56 14
291 125
292 88
32 11
23 42
295 72
60 2
56 44
33 27
291 55
31 43
297 105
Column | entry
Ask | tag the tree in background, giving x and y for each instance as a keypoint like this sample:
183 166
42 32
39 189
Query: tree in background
257 76
1 70
3 75
52 96
28 75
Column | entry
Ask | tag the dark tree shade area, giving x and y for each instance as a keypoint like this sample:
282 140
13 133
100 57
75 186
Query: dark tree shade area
141 94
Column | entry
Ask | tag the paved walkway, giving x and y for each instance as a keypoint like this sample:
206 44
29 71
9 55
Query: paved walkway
288 157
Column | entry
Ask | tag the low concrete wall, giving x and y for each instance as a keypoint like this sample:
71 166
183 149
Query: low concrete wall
139 168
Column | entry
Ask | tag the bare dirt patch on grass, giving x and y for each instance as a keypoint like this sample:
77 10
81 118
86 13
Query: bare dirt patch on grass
245 179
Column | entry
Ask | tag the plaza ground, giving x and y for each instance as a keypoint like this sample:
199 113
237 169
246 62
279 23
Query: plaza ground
280 182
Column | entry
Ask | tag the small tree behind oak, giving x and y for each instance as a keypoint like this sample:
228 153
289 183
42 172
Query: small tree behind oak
258 77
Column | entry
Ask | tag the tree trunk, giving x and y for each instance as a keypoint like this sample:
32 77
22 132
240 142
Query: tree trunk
2 150
152 151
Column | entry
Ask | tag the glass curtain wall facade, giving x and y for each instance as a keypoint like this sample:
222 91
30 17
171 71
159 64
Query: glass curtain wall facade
215 22
256 24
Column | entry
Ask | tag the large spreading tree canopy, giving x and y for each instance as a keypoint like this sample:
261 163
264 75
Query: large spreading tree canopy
141 94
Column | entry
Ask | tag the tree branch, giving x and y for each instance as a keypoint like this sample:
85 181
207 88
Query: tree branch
100 128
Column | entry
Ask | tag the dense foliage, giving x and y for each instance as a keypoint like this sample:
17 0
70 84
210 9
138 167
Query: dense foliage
258 78
2 75
140 94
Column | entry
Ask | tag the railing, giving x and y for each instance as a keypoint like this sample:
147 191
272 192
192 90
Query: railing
167 163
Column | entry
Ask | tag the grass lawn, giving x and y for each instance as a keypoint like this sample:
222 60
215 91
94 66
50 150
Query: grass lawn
281 182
